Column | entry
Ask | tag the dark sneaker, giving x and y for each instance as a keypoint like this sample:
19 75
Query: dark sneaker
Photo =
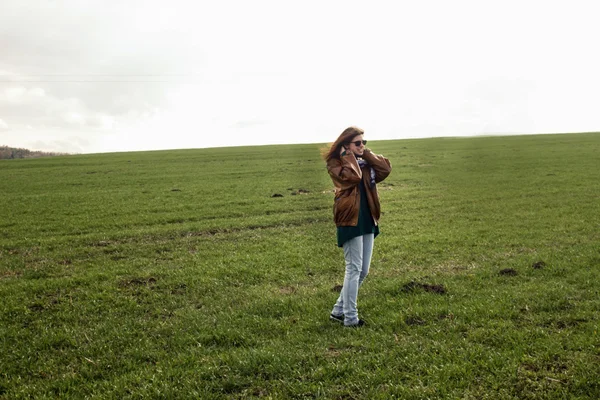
361 322
337 318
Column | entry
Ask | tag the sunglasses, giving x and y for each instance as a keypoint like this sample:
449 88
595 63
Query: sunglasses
358 142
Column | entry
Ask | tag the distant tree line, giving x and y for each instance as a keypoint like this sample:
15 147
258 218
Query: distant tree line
8 153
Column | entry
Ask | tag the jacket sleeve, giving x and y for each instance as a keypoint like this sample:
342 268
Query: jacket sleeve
380 164
345 171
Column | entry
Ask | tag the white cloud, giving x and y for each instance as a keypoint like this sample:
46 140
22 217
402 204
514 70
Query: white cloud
34 107
74 118
3 125
15 94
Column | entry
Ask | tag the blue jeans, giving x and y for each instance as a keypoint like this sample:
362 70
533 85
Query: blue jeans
357 252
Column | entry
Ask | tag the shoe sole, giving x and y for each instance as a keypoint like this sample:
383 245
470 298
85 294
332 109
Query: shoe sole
332 318
359 325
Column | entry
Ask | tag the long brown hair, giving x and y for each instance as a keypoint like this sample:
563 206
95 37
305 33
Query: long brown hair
344 138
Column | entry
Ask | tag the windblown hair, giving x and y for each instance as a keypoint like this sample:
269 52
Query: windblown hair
343 139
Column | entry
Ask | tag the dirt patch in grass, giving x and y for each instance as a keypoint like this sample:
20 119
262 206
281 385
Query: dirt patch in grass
36 307
551 370
333 351
413 286
179 289
102 243
508 272
337 288
136 282
49 301
287 290
10 274
448 316
538 265
564 323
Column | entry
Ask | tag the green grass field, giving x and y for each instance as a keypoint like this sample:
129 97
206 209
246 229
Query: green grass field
176 274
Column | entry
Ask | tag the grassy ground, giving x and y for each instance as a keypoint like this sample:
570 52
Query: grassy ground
176 274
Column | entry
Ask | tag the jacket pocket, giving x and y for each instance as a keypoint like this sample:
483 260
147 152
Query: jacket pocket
343 207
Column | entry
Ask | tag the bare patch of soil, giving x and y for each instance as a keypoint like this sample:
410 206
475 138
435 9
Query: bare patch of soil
134 282
10 274
538 265
448 316
337 288
287 290
413 286
36 307
564 323
333 351
508 272
179 289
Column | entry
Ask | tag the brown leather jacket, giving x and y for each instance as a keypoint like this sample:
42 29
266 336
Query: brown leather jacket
346 175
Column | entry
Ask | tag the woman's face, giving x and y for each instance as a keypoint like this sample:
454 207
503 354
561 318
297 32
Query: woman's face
357 150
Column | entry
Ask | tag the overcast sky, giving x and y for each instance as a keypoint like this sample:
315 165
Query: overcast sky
92 76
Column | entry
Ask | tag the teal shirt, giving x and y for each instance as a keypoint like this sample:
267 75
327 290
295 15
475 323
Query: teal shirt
365 221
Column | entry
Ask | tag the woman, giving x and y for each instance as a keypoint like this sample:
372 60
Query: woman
356 211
